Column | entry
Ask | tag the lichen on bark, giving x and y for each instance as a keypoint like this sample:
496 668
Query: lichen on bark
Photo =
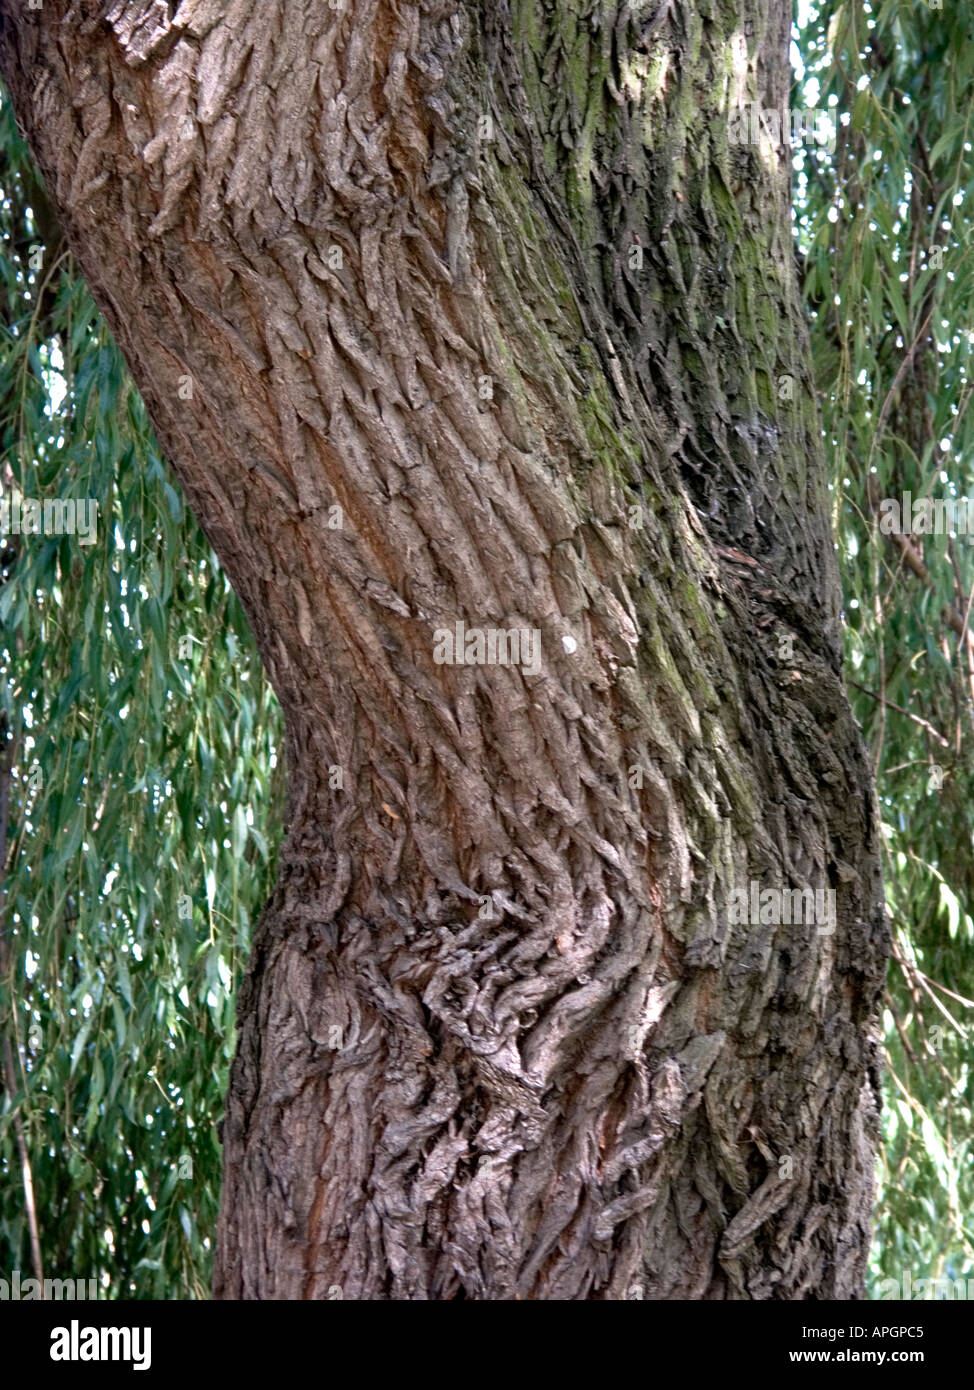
564 1072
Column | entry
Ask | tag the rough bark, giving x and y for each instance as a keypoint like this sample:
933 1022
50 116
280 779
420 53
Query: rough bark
500 1036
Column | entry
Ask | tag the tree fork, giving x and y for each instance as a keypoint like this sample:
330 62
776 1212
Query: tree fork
447 313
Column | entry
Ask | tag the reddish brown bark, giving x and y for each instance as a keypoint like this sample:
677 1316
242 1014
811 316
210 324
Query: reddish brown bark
501 1035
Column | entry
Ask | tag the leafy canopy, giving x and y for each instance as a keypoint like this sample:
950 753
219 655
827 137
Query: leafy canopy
140 787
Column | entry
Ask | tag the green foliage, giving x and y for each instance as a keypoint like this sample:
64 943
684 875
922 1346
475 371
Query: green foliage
142 744
886 227
143 788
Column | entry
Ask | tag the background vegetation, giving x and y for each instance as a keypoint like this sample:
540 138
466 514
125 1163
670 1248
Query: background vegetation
885 225
140 788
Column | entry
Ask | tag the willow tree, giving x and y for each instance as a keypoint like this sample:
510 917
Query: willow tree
456 314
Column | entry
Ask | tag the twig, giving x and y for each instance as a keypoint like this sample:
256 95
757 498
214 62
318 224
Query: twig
924 724
9 1069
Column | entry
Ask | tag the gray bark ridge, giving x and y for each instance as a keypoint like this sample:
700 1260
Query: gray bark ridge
374 271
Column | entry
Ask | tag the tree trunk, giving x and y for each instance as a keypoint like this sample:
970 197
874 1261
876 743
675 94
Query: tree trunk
448 313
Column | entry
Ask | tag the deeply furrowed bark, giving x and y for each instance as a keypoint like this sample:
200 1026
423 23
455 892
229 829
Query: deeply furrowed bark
500 1036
